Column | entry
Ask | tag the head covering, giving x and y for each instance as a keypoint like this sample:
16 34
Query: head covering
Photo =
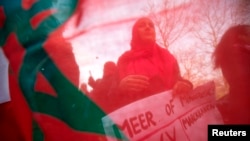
109 68
136 41
230 42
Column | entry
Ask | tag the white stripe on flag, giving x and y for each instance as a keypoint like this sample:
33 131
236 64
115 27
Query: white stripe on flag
4 83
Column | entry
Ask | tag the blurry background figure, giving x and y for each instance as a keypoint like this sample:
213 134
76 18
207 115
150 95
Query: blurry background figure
84 88
103 87
232 55
91 81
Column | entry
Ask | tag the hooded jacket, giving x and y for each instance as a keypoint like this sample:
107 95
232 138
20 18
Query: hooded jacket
149 60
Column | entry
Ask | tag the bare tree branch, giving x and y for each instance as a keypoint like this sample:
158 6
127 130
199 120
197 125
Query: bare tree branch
171 21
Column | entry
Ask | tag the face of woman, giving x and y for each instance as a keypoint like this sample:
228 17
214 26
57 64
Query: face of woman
146 30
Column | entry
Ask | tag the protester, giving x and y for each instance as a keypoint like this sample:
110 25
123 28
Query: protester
105 86
232 55
84 88
92 82
147 68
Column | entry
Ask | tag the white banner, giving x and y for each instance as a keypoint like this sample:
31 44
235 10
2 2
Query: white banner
4 83
163 118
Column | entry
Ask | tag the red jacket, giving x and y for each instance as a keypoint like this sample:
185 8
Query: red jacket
158 64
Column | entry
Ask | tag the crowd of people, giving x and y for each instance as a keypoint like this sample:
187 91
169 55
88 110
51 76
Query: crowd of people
147 69
143 70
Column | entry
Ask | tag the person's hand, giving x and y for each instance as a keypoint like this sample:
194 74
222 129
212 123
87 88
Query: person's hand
182 87
134 83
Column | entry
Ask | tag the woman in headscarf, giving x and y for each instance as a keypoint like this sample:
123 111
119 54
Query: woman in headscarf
147 68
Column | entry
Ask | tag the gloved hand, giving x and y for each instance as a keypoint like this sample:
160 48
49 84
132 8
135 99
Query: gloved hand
134 83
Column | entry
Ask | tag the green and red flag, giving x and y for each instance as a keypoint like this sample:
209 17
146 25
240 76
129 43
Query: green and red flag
46 103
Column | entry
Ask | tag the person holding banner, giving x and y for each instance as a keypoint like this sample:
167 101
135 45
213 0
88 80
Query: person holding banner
232 55
147 68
